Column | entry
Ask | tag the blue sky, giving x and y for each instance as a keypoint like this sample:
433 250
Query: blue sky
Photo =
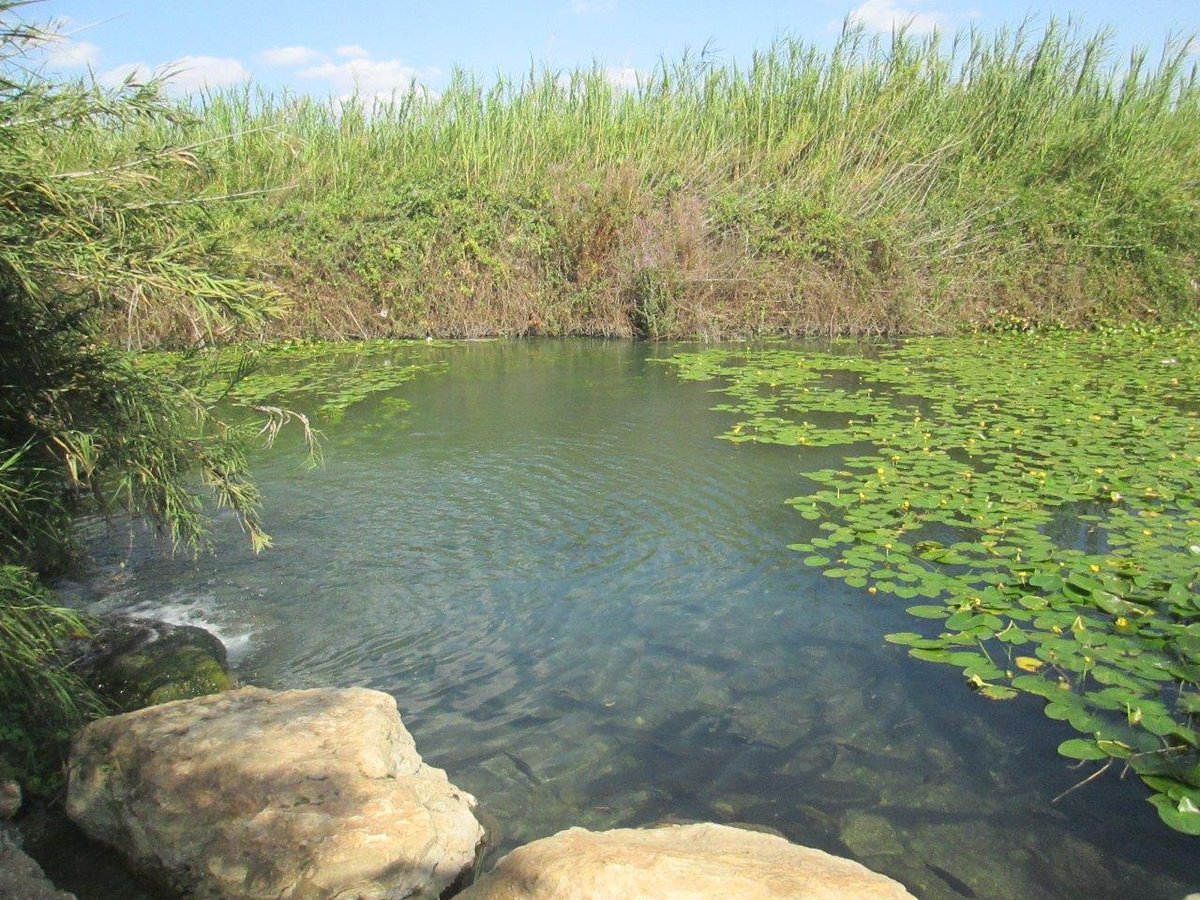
331 48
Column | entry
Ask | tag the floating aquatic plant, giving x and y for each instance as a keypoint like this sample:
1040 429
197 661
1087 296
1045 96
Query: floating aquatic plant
322 378
1035 498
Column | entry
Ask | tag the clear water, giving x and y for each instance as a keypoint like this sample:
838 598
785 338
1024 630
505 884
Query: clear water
548 560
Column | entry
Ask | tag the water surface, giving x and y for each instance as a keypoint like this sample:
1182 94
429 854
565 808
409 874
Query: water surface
587 612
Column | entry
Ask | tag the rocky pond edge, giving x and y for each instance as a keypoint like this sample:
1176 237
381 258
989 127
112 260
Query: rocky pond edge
210 789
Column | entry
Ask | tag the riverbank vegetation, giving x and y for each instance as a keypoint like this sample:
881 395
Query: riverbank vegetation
896 184
83 426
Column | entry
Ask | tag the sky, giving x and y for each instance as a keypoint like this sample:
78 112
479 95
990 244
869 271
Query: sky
334 48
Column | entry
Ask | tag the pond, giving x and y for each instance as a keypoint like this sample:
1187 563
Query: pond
589 614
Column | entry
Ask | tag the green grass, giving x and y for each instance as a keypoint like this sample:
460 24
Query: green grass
42 702
905 184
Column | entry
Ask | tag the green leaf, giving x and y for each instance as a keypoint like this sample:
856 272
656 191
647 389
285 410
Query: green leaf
1183 816
998 692
1078 748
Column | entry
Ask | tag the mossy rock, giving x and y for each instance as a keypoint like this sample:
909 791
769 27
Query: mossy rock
135 663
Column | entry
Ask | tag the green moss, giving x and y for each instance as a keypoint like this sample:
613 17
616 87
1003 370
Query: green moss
142 664
207 677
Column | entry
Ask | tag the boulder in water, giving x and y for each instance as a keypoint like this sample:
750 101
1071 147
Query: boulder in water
256 793
676 862
134 662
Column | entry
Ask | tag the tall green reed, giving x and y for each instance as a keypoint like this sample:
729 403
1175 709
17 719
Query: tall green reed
928 181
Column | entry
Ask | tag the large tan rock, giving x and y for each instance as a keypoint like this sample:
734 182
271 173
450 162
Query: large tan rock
262 794
674 863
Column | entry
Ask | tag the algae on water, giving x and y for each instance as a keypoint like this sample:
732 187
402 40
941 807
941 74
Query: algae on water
1034 497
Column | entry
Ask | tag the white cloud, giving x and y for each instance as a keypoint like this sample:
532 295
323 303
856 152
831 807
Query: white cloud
583 7
289 56
625 77
188 73
888 15
352 51
61 49
138 71
1194 46
64 53
369 77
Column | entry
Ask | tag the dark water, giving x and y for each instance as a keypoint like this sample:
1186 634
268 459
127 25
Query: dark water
587 611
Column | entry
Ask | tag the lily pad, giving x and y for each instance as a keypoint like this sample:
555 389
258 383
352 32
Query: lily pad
1043 498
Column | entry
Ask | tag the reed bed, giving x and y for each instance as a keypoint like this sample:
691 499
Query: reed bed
885 185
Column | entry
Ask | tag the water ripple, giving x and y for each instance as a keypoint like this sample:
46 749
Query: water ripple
555 563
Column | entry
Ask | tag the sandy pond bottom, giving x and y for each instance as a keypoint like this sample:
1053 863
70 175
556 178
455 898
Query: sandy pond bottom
585 608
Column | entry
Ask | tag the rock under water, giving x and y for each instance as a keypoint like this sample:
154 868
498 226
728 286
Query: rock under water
134 662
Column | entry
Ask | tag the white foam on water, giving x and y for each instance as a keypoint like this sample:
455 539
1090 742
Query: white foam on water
182 607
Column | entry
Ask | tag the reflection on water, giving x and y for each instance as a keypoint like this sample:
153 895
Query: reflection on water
586 610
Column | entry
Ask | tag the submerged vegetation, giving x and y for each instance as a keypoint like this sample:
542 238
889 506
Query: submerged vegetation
901 184
1035 498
